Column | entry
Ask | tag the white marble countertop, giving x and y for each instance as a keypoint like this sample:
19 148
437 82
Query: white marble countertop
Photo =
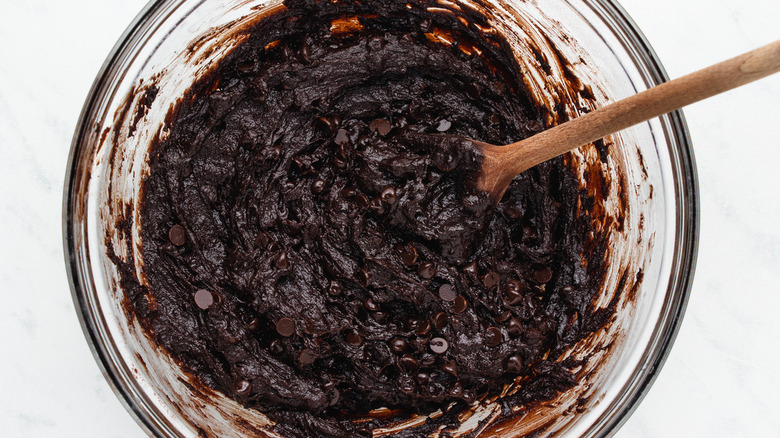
720 379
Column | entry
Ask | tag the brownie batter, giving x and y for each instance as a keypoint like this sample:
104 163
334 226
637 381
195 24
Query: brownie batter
314 247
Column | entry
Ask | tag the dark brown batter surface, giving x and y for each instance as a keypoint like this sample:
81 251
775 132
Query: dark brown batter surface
312 245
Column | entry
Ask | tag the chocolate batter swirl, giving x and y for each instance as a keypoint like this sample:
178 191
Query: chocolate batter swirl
312 245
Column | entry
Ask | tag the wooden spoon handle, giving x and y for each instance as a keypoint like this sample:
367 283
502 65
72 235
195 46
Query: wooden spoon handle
648 104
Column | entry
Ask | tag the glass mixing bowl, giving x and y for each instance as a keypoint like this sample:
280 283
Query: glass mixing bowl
587 47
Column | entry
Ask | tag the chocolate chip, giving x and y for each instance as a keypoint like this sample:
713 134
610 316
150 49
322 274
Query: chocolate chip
423 377
408 254
426 270
423 328
286 51
340 163
371 305
282 261
300 165
290 228
513 292
276 152
364 432
514 364
253 325
440 320
456 390
542 273
317 186
443 125
329 123
306 356
203 299
388 195
399 345
303 54
242 387
447 292
567 290
503 317
471 269
177 235
361 201
493 336
348 192
418 344
285 327
363 277
460 304
450 368
341 136
334 289
514 327
354 339
438 345
570 295
408 363
343 150
490 279
380 126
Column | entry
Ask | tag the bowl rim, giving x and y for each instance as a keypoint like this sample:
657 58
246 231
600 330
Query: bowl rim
685 247
687 220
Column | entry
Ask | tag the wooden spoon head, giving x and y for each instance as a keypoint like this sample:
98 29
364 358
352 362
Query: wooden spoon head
495 173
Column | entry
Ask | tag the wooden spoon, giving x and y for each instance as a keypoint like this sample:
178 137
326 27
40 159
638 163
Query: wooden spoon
502 163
